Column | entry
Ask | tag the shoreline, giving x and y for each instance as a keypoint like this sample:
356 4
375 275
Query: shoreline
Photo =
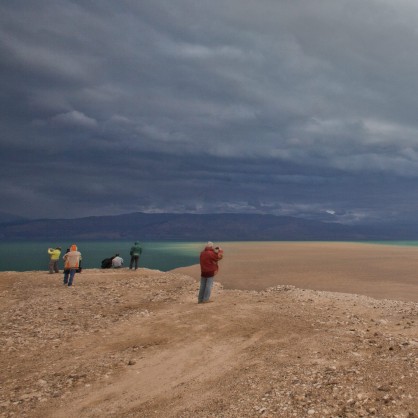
160 255
381 271
375 270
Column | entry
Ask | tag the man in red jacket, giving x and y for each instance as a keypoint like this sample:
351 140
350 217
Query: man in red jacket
209 258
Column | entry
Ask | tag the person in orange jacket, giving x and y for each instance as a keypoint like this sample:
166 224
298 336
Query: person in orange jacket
209 258
71 264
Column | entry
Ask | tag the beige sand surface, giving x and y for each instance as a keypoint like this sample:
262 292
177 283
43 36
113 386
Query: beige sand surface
135 344
380 271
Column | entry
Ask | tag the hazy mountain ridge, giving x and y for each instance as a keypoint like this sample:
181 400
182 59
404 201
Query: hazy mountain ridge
9 218
245 227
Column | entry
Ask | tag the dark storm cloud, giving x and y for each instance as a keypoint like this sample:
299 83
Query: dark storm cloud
300 108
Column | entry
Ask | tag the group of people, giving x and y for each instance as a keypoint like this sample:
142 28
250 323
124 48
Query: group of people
209 258
116 261
72 262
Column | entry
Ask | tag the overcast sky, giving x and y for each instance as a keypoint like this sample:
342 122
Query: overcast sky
303 108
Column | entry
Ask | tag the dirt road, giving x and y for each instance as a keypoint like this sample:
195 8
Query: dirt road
136 344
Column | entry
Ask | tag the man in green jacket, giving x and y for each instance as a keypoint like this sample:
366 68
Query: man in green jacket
54 256
135 252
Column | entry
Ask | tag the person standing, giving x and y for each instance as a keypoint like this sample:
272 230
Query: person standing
71 264
209 258
117 262
135 252
54 256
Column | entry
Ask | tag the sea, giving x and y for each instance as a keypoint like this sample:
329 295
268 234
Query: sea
163 256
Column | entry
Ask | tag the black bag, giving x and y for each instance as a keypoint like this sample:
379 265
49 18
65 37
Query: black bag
107 263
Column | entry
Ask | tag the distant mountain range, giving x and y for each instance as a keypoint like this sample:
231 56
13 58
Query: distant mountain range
10 218
198 227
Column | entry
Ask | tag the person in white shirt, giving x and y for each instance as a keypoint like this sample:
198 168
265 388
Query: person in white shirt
117 262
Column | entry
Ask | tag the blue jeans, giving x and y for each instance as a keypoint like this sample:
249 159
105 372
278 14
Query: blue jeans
71 273
205 290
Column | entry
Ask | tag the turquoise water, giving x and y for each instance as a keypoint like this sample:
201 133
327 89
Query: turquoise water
164 256
402 243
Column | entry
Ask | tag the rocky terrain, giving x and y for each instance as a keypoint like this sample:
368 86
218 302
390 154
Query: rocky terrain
136 344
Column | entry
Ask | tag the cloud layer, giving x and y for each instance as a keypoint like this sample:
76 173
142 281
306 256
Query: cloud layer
298 108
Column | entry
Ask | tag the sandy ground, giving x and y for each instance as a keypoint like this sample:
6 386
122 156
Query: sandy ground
136 344
378 271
